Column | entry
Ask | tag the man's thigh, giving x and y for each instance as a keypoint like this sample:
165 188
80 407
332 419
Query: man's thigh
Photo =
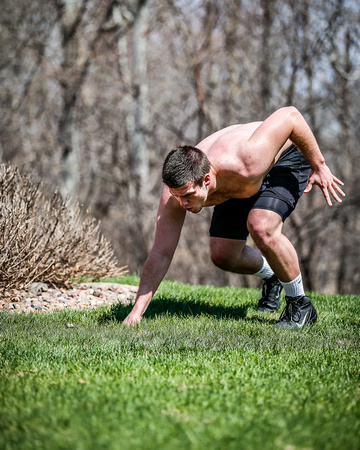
264 222
224 248
229 219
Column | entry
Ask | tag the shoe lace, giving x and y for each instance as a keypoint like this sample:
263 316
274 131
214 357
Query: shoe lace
291 312
270 290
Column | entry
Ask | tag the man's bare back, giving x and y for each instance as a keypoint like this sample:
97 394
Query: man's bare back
239 167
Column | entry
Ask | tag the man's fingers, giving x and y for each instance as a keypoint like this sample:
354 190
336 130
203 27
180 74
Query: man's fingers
329 184
338 181
334 194
132 321
327 197
308 187
339 190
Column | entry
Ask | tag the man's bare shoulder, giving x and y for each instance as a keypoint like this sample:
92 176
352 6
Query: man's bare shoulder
230 136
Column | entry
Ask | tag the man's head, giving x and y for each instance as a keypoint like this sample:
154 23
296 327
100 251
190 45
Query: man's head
183 165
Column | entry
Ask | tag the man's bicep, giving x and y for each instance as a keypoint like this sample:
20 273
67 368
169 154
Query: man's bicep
275 131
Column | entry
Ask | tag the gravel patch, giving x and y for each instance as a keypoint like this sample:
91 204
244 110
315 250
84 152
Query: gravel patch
42 298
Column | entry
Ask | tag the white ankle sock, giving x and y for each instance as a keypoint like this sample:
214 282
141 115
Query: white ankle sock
265 272
294 288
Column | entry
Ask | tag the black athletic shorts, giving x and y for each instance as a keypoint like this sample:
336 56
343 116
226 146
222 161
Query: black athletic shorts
281 189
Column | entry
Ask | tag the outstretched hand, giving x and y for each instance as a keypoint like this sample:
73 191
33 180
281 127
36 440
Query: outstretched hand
327 182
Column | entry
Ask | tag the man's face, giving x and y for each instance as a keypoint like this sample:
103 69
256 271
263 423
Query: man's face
191 197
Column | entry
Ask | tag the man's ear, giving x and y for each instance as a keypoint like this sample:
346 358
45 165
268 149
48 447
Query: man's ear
207 179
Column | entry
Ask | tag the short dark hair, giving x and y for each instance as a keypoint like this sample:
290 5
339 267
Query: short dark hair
183 165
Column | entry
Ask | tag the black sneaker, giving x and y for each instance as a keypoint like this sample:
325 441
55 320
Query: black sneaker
271 293
298 312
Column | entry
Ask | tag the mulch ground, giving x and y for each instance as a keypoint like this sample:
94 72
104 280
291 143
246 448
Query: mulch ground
43 298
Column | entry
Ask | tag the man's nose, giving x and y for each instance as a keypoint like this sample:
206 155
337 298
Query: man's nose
184 202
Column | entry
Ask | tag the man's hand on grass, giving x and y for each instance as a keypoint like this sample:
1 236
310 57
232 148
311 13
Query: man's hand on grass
132 319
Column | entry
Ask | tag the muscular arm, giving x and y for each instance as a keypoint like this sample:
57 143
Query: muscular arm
170 219
288 123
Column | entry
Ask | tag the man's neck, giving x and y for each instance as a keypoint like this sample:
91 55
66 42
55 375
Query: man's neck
214 180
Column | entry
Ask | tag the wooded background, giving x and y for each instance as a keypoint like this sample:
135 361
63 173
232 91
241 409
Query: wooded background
95 93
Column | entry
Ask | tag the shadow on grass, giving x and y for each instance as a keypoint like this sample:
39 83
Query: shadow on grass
180 307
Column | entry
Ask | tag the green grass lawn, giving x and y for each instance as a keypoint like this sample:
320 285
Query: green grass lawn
204 370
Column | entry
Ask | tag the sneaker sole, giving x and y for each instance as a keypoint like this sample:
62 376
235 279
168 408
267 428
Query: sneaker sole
293 325
265 310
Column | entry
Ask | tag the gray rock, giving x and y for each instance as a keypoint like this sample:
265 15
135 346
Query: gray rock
35 288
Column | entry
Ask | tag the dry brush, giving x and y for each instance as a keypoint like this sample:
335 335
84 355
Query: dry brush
43 238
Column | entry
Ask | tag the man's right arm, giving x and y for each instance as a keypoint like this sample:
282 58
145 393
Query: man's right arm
170 219
289 124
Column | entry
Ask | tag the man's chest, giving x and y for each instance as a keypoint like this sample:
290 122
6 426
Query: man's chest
233 189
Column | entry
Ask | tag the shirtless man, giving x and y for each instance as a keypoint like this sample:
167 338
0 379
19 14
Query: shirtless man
254 175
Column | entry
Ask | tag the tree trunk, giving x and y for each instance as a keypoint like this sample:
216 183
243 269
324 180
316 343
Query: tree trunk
344 120
267 10
70 13
139 157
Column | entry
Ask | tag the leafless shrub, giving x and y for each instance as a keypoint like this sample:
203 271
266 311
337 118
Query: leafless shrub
44 239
